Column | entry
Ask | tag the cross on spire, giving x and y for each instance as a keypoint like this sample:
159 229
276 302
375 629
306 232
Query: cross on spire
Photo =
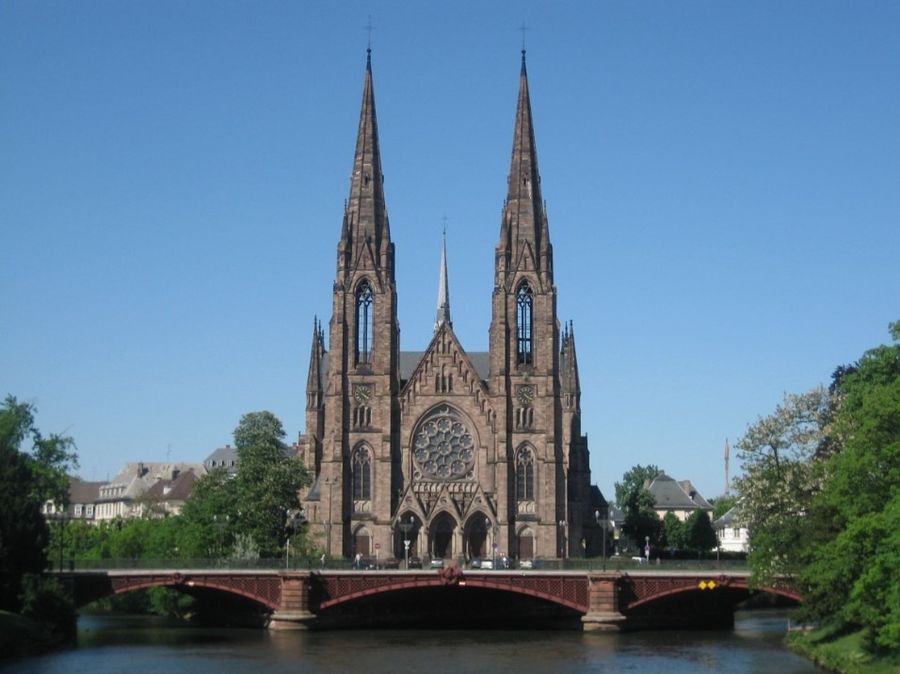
369 29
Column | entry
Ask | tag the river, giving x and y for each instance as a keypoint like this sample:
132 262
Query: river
148 645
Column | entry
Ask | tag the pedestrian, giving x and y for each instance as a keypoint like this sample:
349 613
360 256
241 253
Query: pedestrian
322 559
357 560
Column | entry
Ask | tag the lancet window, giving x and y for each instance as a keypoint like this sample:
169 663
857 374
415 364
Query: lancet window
362 474
525 475
364 312
524 324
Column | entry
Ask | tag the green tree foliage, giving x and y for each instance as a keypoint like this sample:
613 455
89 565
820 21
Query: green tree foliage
780 480
855 552
699 534
672 537
639 506
821 494
27 480
246 514
632 483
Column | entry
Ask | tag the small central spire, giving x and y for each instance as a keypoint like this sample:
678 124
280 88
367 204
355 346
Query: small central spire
443 302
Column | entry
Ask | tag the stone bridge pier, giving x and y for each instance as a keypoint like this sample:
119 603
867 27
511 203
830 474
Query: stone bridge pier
603 612
293 612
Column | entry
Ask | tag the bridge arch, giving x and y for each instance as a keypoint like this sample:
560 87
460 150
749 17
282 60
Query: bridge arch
571 593
262 590
738 587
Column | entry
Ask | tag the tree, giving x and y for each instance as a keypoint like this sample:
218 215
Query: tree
27 480
638 504
854 557
672 537
698 533
780 480
246 514
633 483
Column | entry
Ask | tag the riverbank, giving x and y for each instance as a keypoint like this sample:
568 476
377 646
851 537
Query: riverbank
842 653
21 636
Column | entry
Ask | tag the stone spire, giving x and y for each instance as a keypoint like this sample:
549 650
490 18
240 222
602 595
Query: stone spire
365 236
443 301
524 224
315 377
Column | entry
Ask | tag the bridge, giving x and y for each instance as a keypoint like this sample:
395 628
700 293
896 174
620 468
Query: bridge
327 599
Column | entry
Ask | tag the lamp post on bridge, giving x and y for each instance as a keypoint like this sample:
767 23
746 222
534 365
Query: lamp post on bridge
603 524
405 528
562 539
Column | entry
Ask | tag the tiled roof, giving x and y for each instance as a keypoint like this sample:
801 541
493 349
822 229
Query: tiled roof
81 491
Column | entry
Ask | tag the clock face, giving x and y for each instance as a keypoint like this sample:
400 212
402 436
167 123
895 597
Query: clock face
362 393
526 394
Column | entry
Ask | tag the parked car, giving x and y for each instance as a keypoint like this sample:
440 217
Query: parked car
437 563
526 564
483 564
415 563
391 563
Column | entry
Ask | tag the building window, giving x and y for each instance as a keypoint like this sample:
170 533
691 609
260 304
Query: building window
362 475
89 510
524 324
77 510
525 475
364 311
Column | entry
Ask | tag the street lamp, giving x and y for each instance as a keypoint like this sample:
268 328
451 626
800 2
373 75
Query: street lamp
602 523
328 483
562 538
405 527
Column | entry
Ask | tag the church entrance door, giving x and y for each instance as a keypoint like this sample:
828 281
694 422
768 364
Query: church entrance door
477 536
442 536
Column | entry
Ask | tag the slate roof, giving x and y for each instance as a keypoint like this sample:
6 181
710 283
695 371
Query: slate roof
178 489
223 457
670 495
83 492
730 519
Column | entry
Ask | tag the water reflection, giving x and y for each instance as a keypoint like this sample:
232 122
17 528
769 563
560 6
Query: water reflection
118 644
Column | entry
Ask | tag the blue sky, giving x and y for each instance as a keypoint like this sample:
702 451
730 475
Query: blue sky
722 179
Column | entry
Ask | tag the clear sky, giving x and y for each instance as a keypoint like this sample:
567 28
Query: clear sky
722 180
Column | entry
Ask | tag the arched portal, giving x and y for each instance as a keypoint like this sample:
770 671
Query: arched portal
477 539
526 544
442 530
362 540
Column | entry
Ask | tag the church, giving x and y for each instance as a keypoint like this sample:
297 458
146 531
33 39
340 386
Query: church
446 453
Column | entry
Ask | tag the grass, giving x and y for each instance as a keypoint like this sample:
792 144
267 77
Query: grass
838 651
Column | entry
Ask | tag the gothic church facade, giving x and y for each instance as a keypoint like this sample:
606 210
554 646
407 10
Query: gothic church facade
461 454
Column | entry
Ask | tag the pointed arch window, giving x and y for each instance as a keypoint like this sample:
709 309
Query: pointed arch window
364 312
524 324
362 474
525 475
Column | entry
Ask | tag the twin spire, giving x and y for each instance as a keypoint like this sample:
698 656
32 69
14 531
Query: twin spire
365 239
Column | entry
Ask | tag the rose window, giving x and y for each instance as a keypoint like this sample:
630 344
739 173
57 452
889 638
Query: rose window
442 446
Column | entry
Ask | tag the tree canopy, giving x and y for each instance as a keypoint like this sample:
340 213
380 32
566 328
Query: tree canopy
639 506
821 495
27 480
